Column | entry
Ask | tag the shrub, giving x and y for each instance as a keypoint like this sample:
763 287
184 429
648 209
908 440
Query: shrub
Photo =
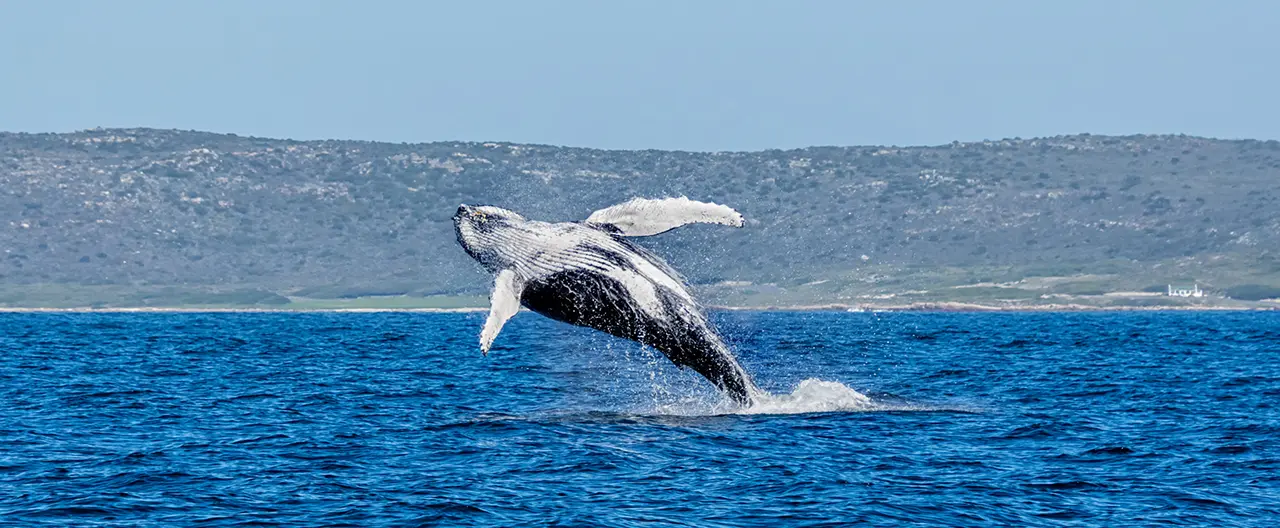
1253 292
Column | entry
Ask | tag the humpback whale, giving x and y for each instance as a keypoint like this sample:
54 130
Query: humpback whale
591 274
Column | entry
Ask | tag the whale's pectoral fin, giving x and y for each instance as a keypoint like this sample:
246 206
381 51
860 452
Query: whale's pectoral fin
645 216
504 302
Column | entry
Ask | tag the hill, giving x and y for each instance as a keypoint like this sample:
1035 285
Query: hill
138 217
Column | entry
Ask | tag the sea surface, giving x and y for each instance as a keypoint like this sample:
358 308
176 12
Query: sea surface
1109 419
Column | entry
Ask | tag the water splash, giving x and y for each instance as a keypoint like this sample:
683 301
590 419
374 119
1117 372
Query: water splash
811 396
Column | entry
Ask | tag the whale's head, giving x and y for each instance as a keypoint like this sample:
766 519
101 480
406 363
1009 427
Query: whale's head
482 231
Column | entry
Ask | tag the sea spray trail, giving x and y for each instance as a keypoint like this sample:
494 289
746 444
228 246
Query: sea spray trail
810 396
813 395
395 419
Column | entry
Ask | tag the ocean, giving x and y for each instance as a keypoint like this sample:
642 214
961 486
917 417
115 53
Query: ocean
880 419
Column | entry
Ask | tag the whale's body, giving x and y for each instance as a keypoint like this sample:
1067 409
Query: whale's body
589 274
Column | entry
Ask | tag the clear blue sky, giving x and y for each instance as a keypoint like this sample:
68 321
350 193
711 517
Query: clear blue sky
690 75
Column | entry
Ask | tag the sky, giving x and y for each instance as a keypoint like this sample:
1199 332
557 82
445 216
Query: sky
704 75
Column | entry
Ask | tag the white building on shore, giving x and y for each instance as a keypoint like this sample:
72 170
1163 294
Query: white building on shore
1194 291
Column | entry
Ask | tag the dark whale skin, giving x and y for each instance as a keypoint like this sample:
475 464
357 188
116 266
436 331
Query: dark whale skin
594 300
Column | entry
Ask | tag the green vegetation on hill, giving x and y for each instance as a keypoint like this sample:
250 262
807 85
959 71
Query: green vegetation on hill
142 217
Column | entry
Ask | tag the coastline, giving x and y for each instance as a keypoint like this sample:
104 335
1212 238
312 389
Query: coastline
919 307
247 309
962 307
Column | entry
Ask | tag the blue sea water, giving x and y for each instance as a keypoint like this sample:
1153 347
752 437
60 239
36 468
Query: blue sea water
1120 419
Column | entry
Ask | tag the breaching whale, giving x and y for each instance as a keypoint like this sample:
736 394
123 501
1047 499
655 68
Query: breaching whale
589 274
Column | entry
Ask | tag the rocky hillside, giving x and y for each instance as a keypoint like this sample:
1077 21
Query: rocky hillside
256 220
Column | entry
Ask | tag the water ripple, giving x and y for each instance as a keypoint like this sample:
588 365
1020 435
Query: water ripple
879 419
